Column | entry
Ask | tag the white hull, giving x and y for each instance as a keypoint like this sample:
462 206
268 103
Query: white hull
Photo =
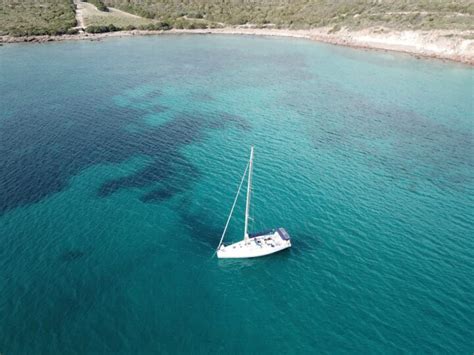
255 244
255 247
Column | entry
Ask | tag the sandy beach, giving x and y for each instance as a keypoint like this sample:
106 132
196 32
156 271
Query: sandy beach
442 44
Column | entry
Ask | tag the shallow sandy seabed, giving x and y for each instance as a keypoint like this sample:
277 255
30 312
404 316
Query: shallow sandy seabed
443 44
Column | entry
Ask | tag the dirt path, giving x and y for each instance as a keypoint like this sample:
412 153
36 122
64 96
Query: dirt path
88 14
79 15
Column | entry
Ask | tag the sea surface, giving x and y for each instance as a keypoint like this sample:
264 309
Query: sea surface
119 161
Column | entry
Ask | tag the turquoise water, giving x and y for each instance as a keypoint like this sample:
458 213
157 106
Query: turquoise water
119 161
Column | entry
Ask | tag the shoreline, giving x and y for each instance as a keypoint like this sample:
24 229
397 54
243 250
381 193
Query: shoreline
452 45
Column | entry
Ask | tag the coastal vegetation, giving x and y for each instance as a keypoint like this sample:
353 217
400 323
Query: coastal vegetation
356 14
102 29
98 21
36 17
158 26
56 17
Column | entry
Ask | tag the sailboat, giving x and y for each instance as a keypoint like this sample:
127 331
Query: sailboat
253 244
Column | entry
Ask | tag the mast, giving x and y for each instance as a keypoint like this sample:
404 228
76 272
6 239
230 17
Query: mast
249 187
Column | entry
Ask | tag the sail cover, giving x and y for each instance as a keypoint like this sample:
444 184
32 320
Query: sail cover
283 233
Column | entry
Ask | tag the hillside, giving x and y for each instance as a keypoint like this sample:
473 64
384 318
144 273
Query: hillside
36 17
297 14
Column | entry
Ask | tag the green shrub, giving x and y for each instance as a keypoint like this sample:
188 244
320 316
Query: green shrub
102 29
197 15
178 25
99 4
335 29
183 24
158 26
58 31
200 25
